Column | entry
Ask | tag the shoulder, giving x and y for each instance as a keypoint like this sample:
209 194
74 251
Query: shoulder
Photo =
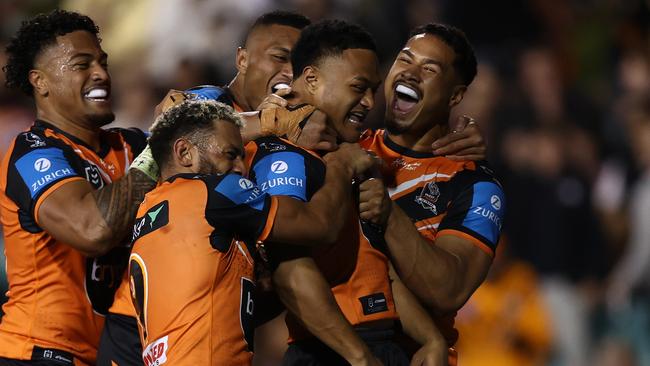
134 137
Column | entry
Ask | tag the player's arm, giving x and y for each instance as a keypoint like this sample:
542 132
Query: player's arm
321 219
93 221
417 324
465 142
442 274
305 292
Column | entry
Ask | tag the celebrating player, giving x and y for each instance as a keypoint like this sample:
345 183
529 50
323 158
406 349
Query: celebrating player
457 206
67 195
191 267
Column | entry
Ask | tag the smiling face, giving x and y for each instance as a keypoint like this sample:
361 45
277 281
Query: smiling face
422 86
343 88
223 151
267 62
73 80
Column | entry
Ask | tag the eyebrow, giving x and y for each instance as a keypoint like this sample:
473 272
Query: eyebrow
426 60
102 56
278 48
365 80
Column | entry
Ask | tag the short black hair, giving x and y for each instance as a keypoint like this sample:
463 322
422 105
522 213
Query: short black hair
328 38
279 17
465 61
34 36
192 119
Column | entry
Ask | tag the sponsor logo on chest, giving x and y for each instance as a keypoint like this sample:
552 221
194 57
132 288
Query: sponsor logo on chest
156 353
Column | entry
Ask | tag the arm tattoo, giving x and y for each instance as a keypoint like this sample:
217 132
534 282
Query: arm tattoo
118 202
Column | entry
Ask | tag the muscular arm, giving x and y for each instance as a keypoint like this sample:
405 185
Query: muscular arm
418 325
442 275
320 220
93 221
305 293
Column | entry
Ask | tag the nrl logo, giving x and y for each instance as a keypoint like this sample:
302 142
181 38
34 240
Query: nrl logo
428 197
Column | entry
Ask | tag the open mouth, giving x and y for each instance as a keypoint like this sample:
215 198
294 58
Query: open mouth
97 94
278 86
356 118
406 98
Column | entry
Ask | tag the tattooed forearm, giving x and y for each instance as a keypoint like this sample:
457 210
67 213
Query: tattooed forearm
118 202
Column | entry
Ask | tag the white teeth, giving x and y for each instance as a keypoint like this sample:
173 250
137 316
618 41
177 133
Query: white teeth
408 91
279 86
97 93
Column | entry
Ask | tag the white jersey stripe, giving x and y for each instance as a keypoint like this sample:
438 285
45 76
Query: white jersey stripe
413 182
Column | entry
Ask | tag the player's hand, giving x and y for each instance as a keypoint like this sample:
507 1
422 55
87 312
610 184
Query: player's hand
465 142
374 202
353 157
431 354
173 97
284 122
317 134
275 100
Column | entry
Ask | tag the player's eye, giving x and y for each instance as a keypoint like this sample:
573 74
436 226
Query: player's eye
80 65
404 60
280 58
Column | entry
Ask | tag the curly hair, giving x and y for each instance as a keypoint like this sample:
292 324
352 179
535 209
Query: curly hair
33 37
328 38
465 60
192 119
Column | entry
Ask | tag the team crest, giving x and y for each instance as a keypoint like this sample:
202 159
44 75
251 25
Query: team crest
34 140
428 197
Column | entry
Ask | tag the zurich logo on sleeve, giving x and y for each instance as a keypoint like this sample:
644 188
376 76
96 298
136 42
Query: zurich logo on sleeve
241 191
42 167
485 216
282 173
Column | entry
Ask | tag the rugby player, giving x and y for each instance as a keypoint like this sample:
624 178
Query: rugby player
69 194
446 215
191 267
336 70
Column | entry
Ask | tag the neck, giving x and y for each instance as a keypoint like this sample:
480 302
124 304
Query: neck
418 141
88 134
236 87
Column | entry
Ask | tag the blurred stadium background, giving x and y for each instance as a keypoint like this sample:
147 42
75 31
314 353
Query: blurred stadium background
563 96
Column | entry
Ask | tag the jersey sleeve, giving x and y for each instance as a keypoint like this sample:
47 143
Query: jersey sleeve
236 207
476 214
281 173
36 169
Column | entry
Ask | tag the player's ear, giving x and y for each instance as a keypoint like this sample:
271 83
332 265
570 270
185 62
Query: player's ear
38 81
183 153
241 60
312 78
457 95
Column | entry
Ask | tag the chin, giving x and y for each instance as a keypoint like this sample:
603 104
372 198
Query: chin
395 127
102 119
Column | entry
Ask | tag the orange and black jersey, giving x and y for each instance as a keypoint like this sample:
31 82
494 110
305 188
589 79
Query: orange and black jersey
56 294
113 348
356 271
191 269
441 196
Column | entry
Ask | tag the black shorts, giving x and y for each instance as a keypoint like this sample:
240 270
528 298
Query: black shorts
120 342
313 352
